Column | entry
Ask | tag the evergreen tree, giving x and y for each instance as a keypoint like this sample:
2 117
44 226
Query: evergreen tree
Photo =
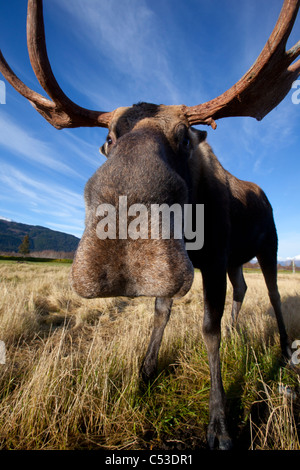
24 247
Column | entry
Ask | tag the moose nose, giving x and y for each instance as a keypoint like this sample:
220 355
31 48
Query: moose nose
131 268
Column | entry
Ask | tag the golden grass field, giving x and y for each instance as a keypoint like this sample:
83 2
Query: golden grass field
70 380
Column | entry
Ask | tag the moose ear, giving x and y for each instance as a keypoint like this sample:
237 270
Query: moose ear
202 136
198 136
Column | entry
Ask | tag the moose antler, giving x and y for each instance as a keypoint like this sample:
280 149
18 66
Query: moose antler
60 111
265 84
261 89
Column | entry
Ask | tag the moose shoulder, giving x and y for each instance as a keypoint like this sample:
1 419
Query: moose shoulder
156 159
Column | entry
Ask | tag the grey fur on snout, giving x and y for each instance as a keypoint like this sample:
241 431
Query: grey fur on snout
151 267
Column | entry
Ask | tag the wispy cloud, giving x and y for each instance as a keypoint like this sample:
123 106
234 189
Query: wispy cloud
21 142
64 227
21 182
65 205
261 140
82 149
126 37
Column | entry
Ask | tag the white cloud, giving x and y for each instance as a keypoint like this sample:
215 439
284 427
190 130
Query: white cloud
125 36
122 28
18 140
288 258
76 230
82 149
20 182
65 205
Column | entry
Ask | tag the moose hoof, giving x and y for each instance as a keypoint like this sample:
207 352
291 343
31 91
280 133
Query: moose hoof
286 352
147 374
217 436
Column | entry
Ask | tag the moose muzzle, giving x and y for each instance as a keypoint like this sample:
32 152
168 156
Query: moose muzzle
128 248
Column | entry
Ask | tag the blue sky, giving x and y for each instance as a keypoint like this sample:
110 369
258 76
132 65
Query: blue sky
110 53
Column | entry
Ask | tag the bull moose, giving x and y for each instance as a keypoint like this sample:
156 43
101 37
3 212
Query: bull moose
155 156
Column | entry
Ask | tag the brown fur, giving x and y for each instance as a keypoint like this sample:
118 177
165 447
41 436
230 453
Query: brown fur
154 157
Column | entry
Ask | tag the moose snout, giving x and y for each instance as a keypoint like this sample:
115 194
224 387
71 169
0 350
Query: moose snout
131 268
124 250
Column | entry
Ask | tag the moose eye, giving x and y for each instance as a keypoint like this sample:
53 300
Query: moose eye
106 147
109 140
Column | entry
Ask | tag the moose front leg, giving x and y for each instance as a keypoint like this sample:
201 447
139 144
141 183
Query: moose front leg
214 298
161 316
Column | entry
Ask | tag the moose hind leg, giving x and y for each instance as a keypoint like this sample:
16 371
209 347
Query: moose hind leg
268 263
239 290
161 317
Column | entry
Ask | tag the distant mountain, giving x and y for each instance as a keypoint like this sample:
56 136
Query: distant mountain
40 238
287 261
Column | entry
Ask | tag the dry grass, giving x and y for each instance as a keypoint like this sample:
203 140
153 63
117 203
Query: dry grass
71 375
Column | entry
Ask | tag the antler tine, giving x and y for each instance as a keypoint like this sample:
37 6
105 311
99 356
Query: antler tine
265 84
292 54
61 112
20 87
37 50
